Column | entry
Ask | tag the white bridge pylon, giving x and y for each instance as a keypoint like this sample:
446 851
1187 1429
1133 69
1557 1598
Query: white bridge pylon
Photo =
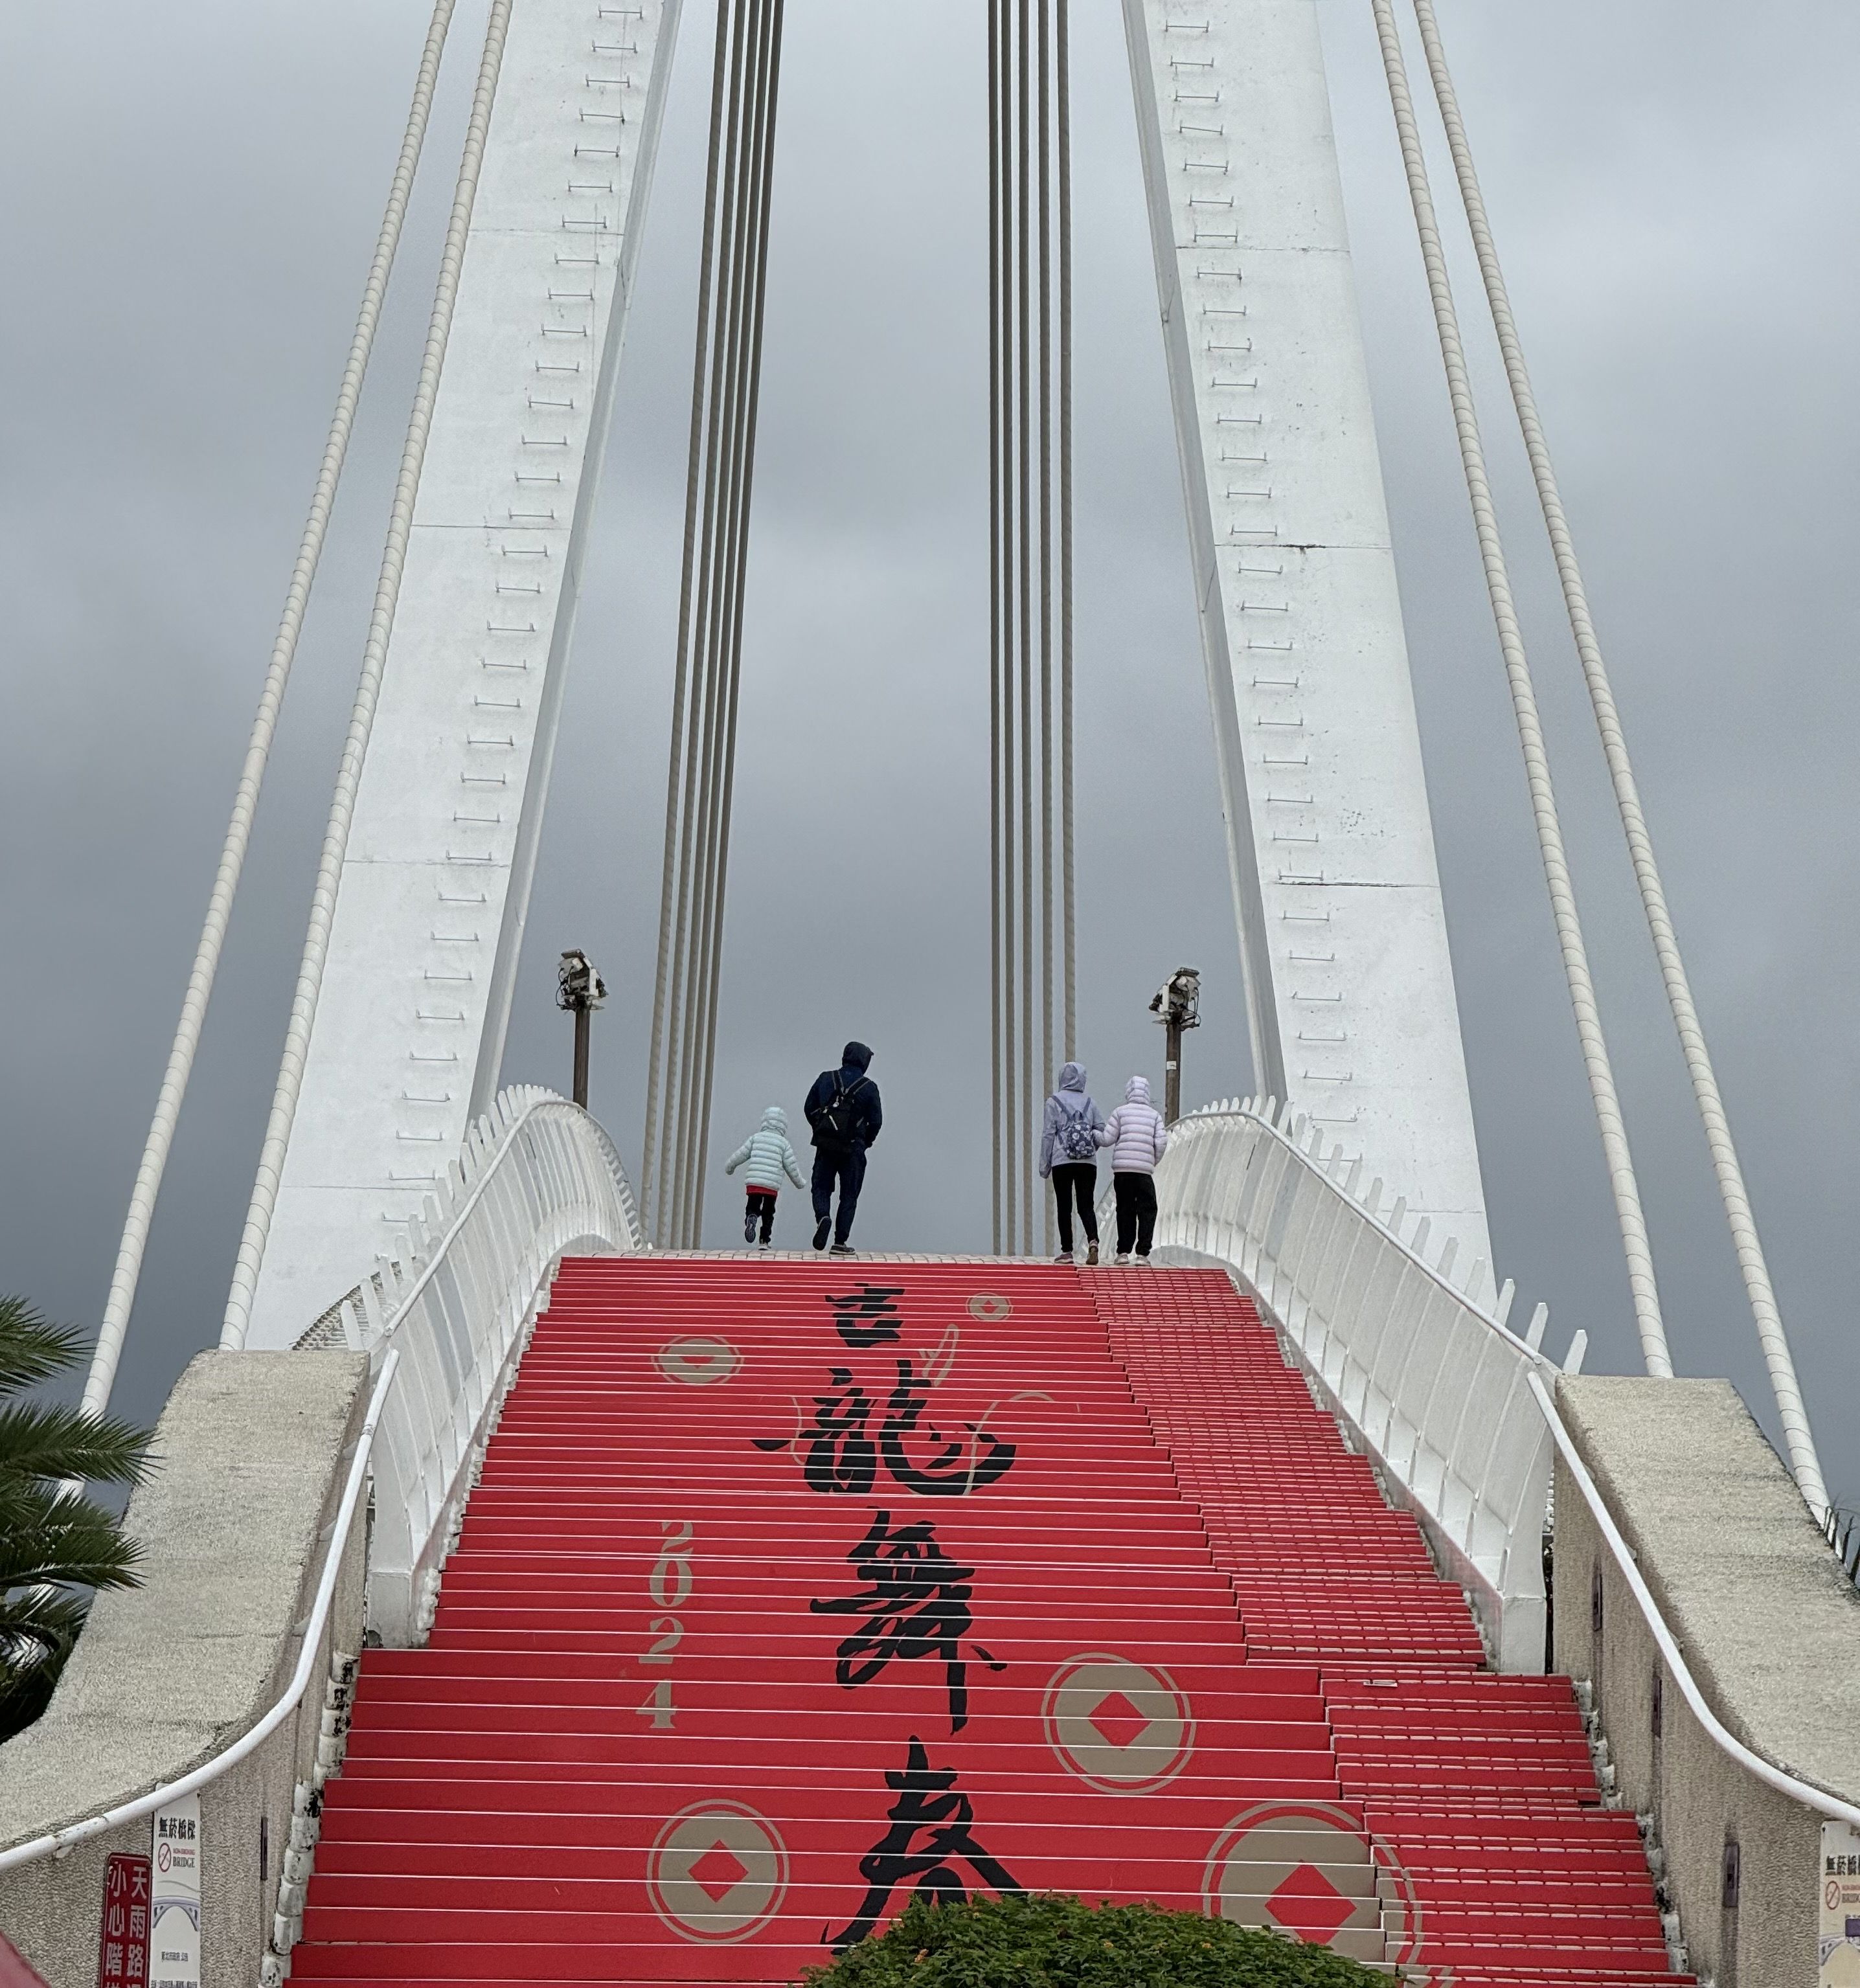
409 1030
1352 1011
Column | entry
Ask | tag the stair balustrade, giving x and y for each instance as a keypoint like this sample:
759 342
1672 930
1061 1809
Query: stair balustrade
1427 1377
537 1179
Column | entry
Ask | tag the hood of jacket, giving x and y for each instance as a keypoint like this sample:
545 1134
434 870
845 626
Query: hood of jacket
1137 1091
1072 1076
774 1120
855 1056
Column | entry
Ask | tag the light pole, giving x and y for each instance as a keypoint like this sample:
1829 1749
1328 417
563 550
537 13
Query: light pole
580 990
1178 1006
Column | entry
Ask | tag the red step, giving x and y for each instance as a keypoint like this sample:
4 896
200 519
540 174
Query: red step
768 1612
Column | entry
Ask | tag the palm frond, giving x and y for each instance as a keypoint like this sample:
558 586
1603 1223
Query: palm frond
51 1442
32 1349
38 1629
47 1536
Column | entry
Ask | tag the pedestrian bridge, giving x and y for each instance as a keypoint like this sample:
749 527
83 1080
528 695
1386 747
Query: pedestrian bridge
532 1597
711 1606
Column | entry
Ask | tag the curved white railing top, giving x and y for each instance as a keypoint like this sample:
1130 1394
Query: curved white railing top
537 1179
1424 1370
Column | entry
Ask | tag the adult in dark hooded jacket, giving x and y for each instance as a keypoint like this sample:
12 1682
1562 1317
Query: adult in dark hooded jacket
843 1108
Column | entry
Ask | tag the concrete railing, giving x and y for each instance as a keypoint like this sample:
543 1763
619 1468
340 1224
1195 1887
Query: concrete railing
538 1179
1428 1377
208 1702
1715 1637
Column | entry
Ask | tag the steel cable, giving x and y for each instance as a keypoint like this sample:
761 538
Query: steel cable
388 592
700 780
768 87
725 579
1068 915
1600 1072
998 1154
127 1272
652 1171
1798 1438
1032 988
719 470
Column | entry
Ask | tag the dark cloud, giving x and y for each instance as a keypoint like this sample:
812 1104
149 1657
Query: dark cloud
193 195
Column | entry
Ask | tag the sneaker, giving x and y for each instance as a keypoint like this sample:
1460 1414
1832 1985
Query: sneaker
749 1229
1091 1253
1064 1256
1122 1256
843 1249
822 1229
764 1248
1142 1259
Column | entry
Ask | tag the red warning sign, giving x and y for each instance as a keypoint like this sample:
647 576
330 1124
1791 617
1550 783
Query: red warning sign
123 1937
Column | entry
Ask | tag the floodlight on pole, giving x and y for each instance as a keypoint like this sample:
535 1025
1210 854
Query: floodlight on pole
580 990
1176 1005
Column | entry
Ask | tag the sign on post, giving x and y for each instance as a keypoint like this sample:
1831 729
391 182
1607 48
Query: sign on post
123 1934
174 1911
1840 1944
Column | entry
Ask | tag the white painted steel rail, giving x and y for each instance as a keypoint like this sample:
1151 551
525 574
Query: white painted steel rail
1819 1800
60 1841
1428 1377
537 1179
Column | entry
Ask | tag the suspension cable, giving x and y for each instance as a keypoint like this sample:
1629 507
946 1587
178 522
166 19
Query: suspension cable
996 580
1032 983
701 770
768 82
1621 1181
725 345
388 592
1797 1435
671 928
1068 917
128 1271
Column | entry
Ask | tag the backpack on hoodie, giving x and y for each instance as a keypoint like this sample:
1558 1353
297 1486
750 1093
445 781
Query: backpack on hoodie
840 1119
1075 1137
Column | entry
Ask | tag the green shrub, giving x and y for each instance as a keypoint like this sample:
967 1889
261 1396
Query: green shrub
1049 1941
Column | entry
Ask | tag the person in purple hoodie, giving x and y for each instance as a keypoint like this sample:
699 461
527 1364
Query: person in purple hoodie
1137 1139
1069 1157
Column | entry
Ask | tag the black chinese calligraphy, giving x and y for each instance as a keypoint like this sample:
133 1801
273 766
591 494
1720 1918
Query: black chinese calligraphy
867 1316
914 1601
931 1834
840 1453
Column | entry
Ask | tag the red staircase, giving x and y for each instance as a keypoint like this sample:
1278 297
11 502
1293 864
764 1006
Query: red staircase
793 1588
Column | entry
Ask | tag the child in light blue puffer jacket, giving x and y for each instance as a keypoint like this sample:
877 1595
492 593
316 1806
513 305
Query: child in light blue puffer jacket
769 1156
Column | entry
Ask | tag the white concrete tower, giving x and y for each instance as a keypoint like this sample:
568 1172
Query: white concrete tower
409 1029
1350 989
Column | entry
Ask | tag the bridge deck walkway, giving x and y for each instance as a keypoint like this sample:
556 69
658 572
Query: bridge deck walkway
793 1588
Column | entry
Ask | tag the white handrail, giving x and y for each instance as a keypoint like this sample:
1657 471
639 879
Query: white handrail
1727 1742
536 1179
61 1841
1431 1380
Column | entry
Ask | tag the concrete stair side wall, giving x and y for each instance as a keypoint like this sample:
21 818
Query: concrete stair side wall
1769 1627
253 1449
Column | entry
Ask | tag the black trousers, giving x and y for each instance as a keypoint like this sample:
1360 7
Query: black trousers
846 1166
1079 1178
1136 1212
761 1208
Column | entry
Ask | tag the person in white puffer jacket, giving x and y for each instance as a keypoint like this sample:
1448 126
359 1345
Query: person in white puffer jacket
765 1155
1137 1139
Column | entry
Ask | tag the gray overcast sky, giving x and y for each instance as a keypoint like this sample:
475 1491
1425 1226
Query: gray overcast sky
192 195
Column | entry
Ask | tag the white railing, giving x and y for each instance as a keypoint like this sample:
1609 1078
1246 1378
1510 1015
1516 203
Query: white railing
537 1179
1428 1377
309 1649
